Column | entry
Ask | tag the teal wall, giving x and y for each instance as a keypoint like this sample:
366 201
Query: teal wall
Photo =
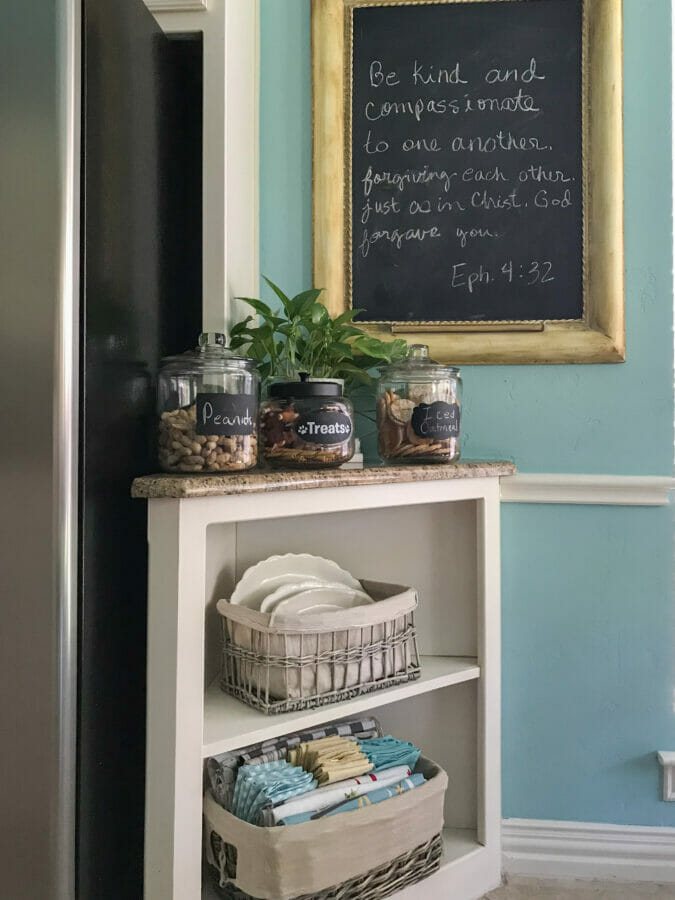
589 662
589 647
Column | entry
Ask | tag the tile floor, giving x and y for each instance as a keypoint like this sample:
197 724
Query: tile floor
533 889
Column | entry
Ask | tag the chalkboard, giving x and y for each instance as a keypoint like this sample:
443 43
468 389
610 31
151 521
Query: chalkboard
438 421
465 155
225 414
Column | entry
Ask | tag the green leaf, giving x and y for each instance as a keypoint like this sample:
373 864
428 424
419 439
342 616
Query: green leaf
285 301
257 305
398 349
344 349
257 350
358 375
347 316
319 314
346 331
265 370
237 342
366 361
274 321
240 327
372 346
265 332
304 301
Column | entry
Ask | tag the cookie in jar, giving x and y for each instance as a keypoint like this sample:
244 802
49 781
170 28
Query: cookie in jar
208 410
306 424
419 410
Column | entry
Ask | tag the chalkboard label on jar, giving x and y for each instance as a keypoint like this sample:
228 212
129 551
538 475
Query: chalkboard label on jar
225 414
324 427
438 421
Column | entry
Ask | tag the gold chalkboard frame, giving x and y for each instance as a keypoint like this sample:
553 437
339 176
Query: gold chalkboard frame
597 338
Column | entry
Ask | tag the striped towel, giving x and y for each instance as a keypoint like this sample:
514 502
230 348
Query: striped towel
322 797
383 793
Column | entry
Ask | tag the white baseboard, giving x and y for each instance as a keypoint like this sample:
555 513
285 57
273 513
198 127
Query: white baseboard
609 490
543 849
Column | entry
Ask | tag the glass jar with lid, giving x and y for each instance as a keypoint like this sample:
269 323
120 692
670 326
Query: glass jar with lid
418 410
306 424
208 410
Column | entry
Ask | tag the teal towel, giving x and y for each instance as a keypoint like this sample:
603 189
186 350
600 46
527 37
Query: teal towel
385 752
377 796
258 787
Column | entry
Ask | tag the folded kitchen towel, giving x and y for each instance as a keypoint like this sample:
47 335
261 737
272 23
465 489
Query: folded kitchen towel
258 787
388 751
222 769
322 797
331 759
384 793
344 729
283 752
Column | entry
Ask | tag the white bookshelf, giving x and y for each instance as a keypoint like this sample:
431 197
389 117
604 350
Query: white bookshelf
441 536
228 723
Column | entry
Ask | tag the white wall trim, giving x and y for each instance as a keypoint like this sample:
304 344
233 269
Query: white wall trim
544 849
230 165
667 760
156 6
610 490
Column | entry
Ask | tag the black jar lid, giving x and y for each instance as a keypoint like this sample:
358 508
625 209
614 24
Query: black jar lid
288 390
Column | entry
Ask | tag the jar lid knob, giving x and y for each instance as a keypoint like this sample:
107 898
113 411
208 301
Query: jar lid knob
304 376
418 351
211 338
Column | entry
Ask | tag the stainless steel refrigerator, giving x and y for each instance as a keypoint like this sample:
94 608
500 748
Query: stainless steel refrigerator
100 276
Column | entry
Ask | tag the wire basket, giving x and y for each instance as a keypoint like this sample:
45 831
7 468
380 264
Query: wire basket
292 666
382 881
365 854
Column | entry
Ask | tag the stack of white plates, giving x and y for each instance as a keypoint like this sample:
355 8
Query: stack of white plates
298 584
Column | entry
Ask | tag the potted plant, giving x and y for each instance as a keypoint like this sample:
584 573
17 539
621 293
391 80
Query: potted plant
301 336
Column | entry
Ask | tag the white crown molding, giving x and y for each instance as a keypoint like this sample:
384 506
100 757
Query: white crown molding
543 849
667 760
610 490
157 6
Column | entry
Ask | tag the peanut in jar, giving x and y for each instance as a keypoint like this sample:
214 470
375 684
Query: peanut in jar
208 410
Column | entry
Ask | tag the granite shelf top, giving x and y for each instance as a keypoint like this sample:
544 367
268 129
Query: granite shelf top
184 486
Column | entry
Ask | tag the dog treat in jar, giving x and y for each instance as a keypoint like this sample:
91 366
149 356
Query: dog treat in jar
208 410
306 425
418 410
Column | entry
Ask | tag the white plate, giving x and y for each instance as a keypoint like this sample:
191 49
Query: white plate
265 577
288 590
319 600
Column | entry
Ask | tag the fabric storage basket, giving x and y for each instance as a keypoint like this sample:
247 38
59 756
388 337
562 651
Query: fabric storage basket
293 665
385 847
